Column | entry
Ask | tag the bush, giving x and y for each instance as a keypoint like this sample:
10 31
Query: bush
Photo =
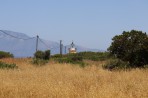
79 57
95 56
7 66
39 62
47 55
131 47
39 55
42 55
70 58
116 64
57 56
64 60
75 57
5 55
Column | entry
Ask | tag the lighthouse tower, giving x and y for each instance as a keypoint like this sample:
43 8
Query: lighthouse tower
72 48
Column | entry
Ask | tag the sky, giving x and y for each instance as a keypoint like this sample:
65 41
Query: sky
89 23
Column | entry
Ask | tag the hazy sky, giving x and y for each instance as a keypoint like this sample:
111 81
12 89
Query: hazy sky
89 23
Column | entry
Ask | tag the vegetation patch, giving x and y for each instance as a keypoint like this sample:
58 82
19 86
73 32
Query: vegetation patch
39 62
116 64
41 57
131 47
7 66
44 55
79 57
70 58
95 56
5 55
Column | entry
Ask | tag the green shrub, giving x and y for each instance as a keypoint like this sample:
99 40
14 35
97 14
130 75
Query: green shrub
5 54
79 57
56 56
95 56
131 46
116 64
45 55
70 58
39 62
75 57
39 55
7 66
64 60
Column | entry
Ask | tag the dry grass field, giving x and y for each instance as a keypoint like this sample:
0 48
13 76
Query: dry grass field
69 81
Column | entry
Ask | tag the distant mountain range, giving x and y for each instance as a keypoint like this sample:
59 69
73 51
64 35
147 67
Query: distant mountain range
21 45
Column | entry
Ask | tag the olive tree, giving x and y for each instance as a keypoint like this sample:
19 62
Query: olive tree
132 47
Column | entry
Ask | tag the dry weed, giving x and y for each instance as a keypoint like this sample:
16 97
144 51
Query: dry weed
67 81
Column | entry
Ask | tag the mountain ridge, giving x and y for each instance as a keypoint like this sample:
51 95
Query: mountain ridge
21 45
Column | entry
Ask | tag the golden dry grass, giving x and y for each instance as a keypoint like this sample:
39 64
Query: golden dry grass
66 81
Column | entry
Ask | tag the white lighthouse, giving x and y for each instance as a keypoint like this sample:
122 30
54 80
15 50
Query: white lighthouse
72 48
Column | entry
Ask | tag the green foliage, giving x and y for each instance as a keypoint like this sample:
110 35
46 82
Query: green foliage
39 62
131 47
79 57
116 64
56 56
70 58
95 56
47 55
5 55
39 55
42 55
75 57
7 66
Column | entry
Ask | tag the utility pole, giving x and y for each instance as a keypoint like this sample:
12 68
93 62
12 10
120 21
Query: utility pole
37 43
61 47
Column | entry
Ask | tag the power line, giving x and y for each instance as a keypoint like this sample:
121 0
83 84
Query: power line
44 43
47 45
54 48
38 39
16 36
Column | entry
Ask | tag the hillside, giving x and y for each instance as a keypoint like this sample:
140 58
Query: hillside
22 45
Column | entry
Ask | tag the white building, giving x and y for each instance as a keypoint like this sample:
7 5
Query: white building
72 48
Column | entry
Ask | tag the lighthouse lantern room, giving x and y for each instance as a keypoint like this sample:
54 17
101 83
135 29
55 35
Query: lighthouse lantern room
72 48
